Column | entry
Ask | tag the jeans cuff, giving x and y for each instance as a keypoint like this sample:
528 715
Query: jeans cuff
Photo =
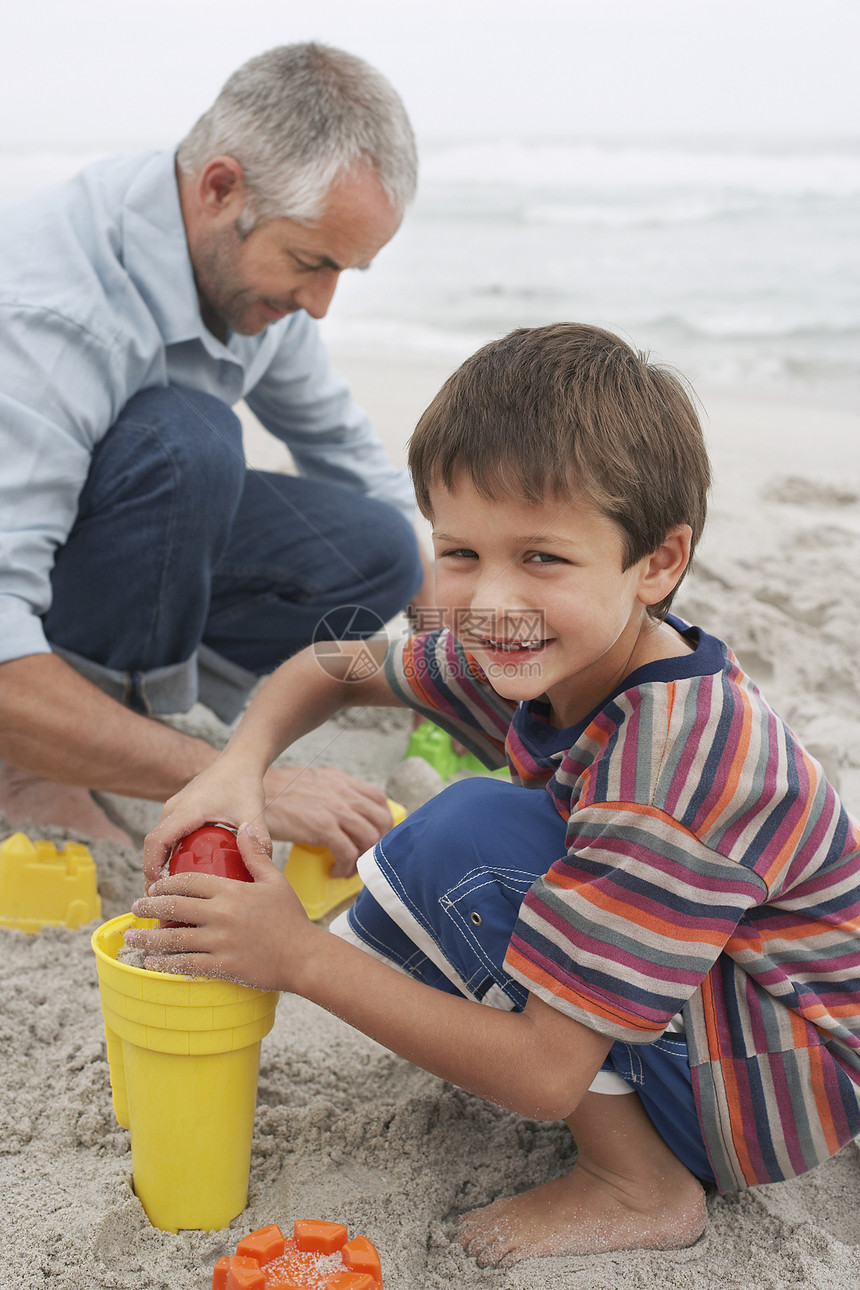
160 691
223 686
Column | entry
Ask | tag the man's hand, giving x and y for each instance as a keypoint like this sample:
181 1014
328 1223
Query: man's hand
325 807
255 933
56 724
321 807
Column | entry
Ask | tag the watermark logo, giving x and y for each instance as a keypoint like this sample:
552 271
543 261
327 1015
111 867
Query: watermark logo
340 643
344 652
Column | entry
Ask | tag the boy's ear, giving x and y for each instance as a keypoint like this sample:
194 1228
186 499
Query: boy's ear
662 570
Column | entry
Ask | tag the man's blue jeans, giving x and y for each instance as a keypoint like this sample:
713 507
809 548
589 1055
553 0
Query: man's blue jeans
188 576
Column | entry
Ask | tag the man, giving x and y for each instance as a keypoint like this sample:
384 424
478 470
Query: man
141 565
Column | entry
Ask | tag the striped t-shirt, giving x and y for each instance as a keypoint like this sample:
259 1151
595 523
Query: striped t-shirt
710 870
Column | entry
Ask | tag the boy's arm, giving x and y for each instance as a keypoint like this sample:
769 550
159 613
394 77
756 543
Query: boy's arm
344 814
538 1062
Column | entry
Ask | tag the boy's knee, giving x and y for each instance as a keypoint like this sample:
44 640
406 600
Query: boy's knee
497 821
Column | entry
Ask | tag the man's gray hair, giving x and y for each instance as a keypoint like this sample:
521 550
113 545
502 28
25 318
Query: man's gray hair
296 118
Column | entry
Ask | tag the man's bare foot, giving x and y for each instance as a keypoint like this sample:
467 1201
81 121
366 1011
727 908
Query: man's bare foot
587 1212
27 797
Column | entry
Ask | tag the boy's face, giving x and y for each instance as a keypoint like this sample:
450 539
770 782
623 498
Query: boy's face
537 593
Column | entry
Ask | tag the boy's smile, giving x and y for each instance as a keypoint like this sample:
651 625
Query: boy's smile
538 594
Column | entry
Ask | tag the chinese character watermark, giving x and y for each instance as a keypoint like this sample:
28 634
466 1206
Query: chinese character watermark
350 642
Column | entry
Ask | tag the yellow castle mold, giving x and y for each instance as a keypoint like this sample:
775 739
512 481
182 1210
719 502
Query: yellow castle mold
308 871
41 886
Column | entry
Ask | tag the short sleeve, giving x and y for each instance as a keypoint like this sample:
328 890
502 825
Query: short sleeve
433 674
623 929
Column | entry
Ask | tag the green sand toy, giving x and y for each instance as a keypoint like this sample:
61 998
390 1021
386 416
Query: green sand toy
436 746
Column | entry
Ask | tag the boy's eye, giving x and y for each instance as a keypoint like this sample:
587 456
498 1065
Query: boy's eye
543 557
459 552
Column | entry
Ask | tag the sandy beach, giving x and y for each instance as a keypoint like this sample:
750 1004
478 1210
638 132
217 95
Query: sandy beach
346 1131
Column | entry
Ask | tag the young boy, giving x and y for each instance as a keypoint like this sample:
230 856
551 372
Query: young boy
652 933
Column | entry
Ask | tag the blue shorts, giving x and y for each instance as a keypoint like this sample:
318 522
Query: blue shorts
441 896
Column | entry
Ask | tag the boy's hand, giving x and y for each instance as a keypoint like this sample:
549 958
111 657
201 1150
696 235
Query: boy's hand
221 794
256 933
320 807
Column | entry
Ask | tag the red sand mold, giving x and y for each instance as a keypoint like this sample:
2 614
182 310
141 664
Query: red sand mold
210 849
318 1257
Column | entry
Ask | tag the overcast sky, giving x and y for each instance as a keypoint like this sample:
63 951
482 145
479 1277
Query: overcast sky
105 73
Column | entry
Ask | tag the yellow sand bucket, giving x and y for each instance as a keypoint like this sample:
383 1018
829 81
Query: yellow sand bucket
308 872
184 1057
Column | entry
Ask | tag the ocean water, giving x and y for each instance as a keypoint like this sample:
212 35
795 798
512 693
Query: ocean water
738 262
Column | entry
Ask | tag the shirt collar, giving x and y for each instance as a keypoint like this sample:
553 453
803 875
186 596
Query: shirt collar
155 254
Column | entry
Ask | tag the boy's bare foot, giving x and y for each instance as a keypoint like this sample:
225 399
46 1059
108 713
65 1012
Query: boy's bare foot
28 797
586 1213
627 1191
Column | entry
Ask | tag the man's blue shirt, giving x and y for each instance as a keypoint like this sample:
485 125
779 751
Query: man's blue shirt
98 302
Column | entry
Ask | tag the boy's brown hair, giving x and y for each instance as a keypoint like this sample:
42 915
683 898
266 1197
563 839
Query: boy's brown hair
549 409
